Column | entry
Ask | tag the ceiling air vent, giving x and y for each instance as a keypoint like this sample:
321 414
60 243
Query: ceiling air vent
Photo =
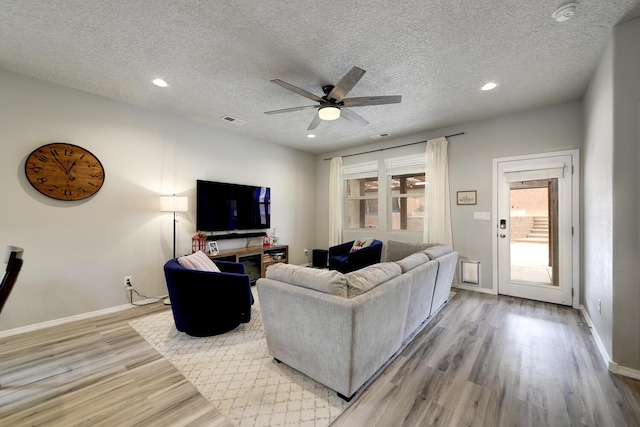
382 135
233 120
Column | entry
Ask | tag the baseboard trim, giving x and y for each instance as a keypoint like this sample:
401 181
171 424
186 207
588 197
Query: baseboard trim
612 366
599 343
63 320
473 288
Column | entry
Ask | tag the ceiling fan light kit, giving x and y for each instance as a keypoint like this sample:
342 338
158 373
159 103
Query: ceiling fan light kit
565 12
329 113
333 104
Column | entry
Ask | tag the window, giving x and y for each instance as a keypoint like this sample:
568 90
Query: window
361 204
407 202
406 177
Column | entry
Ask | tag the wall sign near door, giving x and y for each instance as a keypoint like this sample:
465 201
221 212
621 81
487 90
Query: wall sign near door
467 197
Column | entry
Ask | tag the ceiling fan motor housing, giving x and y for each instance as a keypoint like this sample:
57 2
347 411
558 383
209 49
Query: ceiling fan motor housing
327 89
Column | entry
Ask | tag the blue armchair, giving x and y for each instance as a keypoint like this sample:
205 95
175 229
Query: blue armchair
207 303
341 259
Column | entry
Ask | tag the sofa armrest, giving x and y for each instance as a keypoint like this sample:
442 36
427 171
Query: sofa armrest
444 279
230 267
341 249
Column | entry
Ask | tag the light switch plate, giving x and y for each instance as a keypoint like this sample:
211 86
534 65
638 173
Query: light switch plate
482 216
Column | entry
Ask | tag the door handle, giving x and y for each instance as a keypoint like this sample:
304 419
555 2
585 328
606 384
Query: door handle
503 236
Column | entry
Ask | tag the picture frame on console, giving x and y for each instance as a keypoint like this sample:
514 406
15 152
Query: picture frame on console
213 247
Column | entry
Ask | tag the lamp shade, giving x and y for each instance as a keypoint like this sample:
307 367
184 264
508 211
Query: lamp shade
329 113
174 204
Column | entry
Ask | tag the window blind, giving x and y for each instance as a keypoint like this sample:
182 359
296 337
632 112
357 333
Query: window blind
531 175
360 170
414 163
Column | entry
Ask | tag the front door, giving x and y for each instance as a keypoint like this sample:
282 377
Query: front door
537 216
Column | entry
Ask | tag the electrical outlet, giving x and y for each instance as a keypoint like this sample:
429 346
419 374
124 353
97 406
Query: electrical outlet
128 281
306 252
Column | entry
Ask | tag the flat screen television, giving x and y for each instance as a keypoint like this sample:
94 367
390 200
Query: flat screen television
222 206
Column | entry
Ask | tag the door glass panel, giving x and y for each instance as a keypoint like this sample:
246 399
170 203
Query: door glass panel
533 231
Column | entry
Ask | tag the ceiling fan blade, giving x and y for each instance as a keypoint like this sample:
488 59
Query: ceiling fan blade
371 100
353 117
297 90
288 110
315 122
346 84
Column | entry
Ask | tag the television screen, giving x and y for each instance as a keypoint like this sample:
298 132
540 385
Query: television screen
228 207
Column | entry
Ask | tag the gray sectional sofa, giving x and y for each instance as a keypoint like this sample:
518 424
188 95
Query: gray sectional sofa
340 329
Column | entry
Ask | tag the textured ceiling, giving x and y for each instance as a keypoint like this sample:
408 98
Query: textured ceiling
218 57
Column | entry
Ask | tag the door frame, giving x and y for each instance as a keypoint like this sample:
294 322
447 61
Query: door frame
575 215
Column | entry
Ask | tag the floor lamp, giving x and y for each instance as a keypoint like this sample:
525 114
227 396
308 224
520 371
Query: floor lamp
174 204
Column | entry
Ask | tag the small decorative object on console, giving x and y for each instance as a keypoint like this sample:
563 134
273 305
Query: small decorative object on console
274 236
199 242
213 248
266 241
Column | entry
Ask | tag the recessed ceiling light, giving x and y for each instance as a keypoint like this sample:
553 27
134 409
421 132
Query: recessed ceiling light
565 12
311 135
159 83
489 86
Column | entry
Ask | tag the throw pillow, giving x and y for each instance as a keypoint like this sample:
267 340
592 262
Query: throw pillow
198 261
359 244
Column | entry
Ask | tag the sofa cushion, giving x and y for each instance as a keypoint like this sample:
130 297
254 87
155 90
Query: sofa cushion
198 261
360 243
437 251
365 279
412 261
398 250
328 281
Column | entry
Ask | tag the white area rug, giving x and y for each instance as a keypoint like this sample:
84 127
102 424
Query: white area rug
236 374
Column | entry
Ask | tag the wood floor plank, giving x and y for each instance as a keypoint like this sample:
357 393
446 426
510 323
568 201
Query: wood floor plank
483 360
499 361
96 372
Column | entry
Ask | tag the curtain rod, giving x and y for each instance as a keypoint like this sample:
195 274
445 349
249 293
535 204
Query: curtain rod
396 146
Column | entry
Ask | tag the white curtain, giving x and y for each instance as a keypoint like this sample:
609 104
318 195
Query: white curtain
335 202
437 220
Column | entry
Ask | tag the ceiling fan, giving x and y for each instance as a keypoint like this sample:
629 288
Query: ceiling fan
333 104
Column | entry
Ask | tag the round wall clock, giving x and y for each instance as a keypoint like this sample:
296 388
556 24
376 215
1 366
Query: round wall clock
64 171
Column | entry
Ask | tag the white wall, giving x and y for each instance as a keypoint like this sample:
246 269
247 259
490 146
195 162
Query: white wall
626 196
548 129
612 198
76 253
597 265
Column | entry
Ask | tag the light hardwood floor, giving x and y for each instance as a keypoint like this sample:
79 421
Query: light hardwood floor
483 361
